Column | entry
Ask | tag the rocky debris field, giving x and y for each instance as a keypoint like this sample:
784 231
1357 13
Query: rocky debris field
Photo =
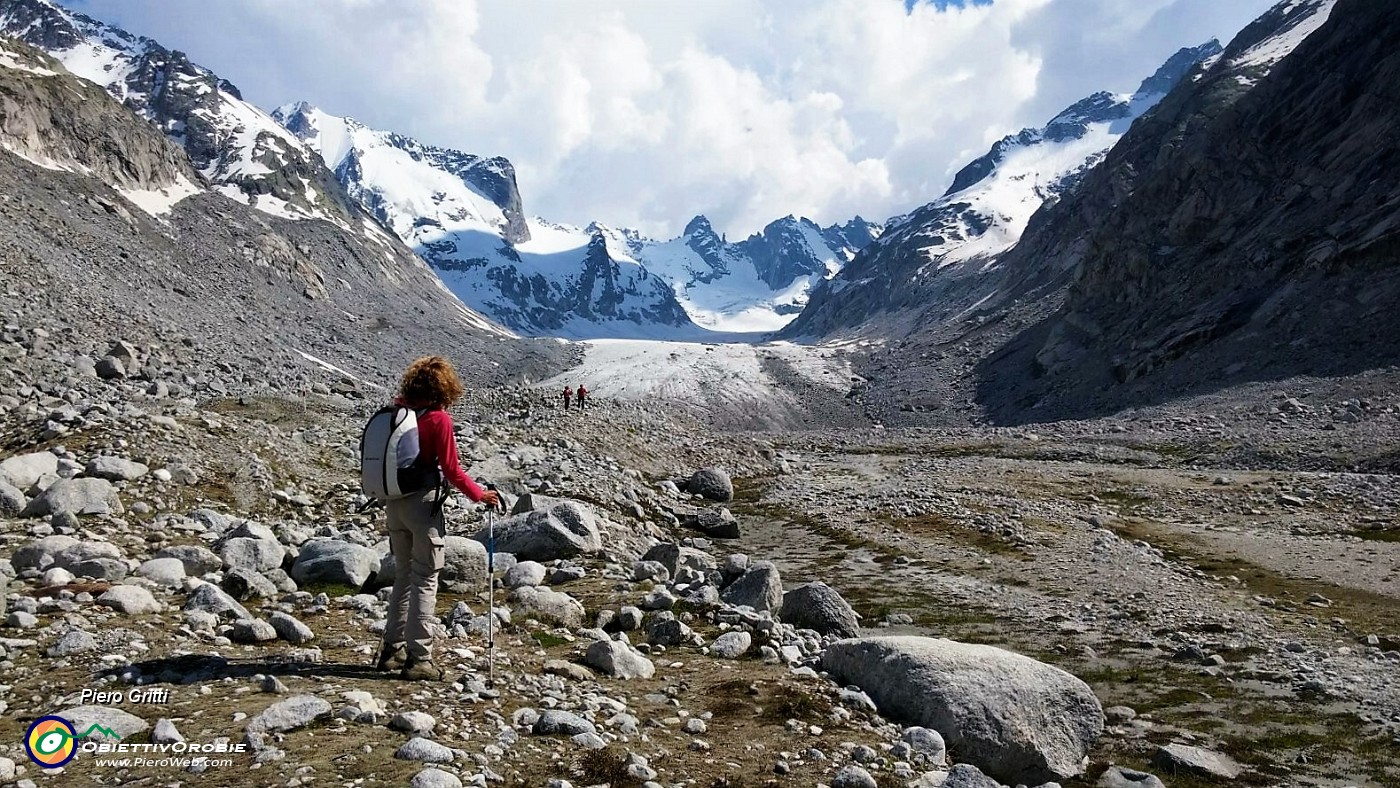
1114 602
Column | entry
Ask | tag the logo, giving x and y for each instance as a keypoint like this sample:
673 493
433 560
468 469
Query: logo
50 742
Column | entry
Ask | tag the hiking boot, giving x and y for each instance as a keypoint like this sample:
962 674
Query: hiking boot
392 658
423 670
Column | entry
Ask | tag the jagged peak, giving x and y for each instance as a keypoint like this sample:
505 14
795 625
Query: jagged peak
1177 67
699 226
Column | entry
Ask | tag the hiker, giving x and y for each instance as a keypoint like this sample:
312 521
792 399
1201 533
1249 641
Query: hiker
568 396
415 520
582 393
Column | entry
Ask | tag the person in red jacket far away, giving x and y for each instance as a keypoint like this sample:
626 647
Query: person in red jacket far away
582 396
417 532
568 396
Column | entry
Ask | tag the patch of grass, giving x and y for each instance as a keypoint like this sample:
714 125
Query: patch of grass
547 639
1379 534
730 698
797 705
1364 610
608 765
330 589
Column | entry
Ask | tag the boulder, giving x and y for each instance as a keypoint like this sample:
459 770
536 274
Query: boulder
852 776
290 714
87 720
1017 719
109 368
716 523
167 572
1196 761
732 645
927 744
435 778
252 554
212 599
464 566
1122 777
290 628
761 588
711 483
196 559
419 723
335 562
674 557
552 722
40 553
650 570
819 607
74 641
245 584
525 573
115 469
667 630
424 751
564 530
98 560
619 660
25 470
131 600
76 496
548 606
12 499
965 775
251 630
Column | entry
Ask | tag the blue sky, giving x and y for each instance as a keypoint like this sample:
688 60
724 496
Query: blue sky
642 113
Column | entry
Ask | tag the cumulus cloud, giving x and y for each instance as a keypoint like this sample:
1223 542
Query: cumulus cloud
642 113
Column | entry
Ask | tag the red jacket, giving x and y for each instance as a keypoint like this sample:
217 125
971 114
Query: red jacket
437 445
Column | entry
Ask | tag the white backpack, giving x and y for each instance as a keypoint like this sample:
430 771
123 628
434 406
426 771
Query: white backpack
388 450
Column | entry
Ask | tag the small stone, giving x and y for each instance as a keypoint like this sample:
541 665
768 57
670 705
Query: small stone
74 641
130 600
556 721
424 751
1122 777
290 629
731 645
852 776
252 630
290 714
165 733
434 778
1185 759
419 723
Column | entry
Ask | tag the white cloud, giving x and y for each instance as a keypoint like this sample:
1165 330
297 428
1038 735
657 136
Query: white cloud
642 113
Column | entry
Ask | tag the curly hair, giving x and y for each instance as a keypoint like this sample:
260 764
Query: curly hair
431 382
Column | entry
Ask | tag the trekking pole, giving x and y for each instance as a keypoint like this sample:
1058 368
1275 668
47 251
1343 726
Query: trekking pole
491 589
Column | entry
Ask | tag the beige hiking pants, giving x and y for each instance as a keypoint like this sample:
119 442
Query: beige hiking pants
416 540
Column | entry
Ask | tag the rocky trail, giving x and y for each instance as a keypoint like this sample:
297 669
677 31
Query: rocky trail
201 548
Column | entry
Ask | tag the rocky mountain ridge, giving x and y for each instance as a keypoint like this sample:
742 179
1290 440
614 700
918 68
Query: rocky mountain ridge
950 245
238 148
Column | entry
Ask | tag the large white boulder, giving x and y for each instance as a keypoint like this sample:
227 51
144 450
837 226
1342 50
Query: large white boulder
1017 719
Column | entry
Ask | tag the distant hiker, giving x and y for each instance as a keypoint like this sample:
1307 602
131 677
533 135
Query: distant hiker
568 396
407 451
582 395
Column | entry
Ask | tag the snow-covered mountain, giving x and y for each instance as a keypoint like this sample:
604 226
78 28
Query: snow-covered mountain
757 284
988 207
240 149
462 213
